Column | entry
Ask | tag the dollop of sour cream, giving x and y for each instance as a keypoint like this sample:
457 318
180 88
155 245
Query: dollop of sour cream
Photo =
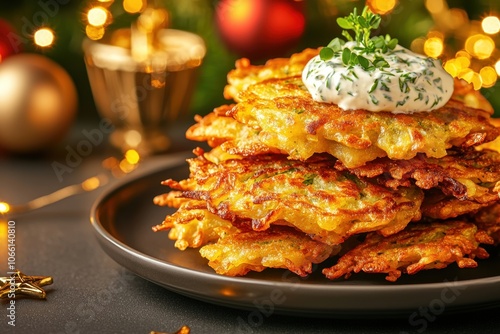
411 83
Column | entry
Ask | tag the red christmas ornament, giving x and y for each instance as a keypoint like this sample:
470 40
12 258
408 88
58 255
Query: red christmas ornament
8 40
260 29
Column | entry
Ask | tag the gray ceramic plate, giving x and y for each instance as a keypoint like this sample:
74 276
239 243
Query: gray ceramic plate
123 217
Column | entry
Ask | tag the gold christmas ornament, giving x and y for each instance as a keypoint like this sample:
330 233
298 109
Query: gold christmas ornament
38 103
142 84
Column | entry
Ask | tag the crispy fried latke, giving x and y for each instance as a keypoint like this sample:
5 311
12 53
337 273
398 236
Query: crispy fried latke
192 225
312 196
420 246
495 144
278 247
246 74
221 131
466 175
285 117
437 205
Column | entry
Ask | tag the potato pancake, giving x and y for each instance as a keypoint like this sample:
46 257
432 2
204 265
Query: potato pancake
437 205
419 247
285 117
246 74
314 197
193 226
289 181
466 175
278 247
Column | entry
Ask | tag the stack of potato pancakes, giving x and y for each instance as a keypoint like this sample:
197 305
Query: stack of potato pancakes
290 182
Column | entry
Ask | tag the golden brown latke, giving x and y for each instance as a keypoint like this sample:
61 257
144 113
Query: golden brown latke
220 131
278 247
192 225
437 205
312 196
466 175
285 117
495 144
420 246
246 74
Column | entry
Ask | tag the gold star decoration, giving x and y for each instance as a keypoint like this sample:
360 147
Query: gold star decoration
19 284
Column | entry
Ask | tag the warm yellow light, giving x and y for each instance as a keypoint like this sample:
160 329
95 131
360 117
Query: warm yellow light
97 16
121 38
488 76
480 46
497 67
452 67
133 6
132 157
463 53
44 37
471 77
435 6
126 167
91 183
455 18
463 62
4 207
433 47
417 45
491 25
133 138
477 82
94 33
381 6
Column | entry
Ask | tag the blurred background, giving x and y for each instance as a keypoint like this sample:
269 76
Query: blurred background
464 34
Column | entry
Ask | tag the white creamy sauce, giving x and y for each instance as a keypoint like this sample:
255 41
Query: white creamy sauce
411 83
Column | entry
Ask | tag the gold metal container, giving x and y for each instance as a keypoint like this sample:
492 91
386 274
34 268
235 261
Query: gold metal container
141 97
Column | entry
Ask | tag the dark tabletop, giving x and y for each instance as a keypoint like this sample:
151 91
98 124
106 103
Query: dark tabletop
93 294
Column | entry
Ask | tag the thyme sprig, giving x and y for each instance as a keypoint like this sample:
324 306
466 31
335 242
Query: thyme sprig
362 25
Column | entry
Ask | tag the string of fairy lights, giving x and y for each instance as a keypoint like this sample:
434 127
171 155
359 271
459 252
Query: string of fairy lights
477 61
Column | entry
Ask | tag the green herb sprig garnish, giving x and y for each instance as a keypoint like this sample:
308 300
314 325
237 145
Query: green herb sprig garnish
362 25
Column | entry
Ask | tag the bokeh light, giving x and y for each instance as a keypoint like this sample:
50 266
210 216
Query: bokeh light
488 76
132 157
381 6
433 47
94 33
44 37
497 67
91 183
133 6
491 25
4 207
435 6
97 16
480 46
